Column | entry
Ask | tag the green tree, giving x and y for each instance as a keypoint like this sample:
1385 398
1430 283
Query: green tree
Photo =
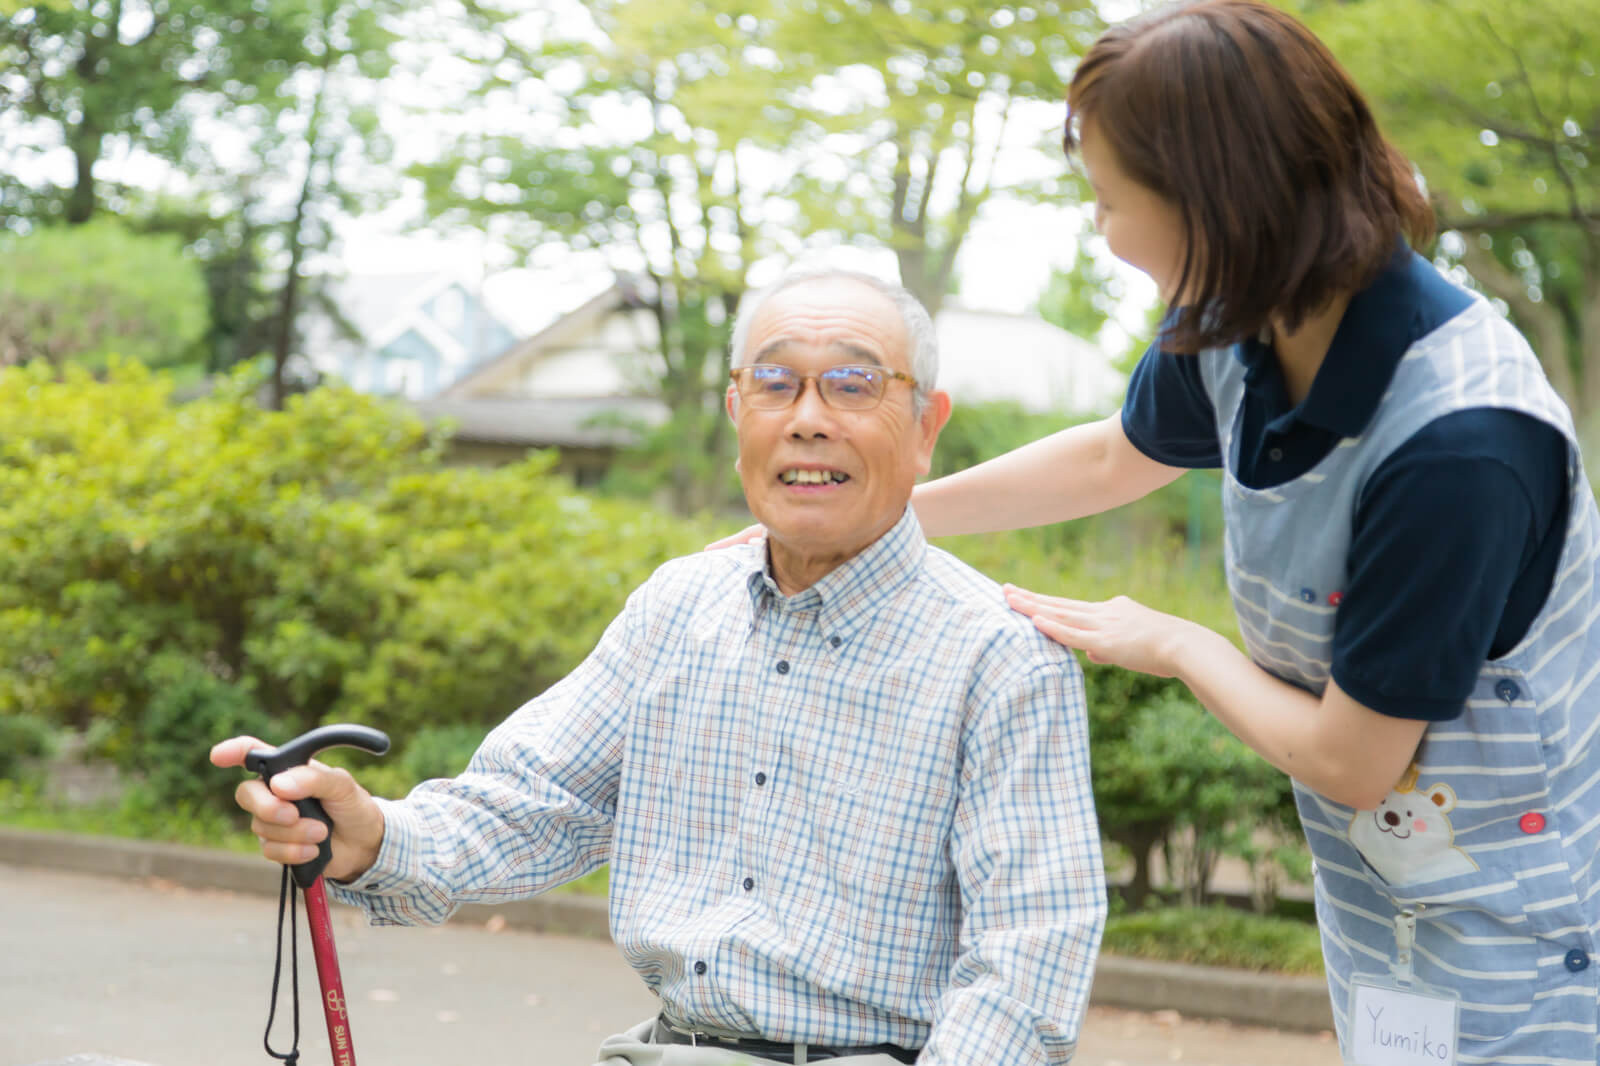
1499 107
86 293
134 70
688 142
290 83
907 114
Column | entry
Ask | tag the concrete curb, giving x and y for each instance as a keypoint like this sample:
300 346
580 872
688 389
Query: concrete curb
1239 996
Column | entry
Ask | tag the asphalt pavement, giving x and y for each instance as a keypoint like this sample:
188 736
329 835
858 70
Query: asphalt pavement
99 970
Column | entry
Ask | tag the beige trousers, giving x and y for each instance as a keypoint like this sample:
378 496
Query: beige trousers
633 1048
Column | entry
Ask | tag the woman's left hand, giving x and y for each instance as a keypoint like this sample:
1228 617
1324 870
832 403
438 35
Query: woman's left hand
1120 631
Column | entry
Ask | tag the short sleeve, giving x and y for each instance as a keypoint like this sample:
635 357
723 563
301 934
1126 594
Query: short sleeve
1168 413
1452 553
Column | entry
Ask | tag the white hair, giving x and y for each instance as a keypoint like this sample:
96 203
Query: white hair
921 341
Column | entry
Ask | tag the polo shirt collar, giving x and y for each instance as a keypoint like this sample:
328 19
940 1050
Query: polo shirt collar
1377 328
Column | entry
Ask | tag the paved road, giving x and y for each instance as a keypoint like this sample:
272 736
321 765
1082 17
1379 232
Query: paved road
157 974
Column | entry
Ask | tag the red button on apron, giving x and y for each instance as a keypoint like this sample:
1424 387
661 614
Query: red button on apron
1532 822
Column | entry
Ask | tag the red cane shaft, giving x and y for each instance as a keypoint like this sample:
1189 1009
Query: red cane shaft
333 1004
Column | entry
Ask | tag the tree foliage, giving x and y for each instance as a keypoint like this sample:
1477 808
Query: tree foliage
1499 107
87 293
689 143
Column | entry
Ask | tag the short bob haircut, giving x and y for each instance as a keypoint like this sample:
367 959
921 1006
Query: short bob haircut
1238 115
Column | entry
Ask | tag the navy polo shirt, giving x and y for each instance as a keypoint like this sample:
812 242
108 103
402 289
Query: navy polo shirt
1457 533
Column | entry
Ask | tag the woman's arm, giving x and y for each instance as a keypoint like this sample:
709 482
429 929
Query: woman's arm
1079 471
1331 744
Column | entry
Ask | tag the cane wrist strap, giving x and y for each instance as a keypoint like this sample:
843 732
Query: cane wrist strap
286 895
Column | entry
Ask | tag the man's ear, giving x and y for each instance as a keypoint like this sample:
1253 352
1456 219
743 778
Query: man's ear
932 420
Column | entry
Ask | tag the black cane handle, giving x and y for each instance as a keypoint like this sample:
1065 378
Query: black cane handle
271 761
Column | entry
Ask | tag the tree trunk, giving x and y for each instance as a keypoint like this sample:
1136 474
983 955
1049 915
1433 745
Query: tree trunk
81 204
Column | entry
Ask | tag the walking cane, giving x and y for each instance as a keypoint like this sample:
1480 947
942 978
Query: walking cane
308 876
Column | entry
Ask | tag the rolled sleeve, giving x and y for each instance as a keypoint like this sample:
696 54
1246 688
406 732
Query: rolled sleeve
1027 853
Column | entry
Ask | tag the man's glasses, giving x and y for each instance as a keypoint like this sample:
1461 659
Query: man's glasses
767 387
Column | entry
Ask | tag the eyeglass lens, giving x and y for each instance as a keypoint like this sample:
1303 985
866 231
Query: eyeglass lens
841 386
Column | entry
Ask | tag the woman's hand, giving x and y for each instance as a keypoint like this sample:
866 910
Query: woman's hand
744 536
1118 631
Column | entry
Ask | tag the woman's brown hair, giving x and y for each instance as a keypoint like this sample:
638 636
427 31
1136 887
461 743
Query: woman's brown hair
1236 113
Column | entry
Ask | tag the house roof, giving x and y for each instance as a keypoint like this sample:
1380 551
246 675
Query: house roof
569 423
491 374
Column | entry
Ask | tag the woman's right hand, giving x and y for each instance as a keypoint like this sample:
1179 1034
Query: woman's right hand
744 536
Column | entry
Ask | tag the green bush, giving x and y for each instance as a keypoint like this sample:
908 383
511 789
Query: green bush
172 572
1216 936
89 292
22 738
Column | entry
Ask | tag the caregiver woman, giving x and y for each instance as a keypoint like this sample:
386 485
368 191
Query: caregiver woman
1411 541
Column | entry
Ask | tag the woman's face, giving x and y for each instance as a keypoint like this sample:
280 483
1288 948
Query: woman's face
1143 229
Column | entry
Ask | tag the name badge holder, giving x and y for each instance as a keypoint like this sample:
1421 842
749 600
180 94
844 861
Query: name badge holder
1400 1021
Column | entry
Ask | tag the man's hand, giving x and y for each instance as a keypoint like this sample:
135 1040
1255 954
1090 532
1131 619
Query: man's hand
288 838
744 536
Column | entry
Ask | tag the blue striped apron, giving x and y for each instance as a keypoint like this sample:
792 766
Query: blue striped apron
1491 837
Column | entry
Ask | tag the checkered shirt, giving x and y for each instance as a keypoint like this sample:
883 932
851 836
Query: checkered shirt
854 815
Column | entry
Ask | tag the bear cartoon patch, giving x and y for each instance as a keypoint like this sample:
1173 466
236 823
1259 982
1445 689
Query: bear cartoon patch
1409 837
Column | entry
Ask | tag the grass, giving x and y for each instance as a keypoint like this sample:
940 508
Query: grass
1216 936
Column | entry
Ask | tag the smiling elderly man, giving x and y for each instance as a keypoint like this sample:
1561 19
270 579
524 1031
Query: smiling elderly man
843 789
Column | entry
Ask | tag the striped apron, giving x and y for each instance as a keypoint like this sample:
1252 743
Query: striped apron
1491 837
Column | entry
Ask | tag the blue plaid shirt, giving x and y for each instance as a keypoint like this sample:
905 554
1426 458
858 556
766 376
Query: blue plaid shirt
855 815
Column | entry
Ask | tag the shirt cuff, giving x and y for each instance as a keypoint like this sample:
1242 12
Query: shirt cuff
399 862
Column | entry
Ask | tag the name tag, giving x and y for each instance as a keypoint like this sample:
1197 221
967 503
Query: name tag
1392 1026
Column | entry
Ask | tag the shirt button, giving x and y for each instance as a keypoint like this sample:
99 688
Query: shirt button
1276 455
783 666
761 778
1507 690
700 969
1308 595
1576 961
749 883
1532 822
834 642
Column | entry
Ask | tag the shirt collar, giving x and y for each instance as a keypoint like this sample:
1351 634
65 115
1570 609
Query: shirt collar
847 594
1378 326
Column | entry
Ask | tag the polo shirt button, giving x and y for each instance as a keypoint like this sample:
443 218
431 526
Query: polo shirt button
700 969
1576 961
749 883
783 666
1507 690
1276 455
1532 822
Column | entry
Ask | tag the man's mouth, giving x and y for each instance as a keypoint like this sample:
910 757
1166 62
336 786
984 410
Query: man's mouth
813 477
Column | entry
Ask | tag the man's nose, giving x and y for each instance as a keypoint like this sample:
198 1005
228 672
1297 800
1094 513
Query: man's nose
810 415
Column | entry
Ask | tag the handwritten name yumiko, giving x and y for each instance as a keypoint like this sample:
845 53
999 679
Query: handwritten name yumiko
1415 1042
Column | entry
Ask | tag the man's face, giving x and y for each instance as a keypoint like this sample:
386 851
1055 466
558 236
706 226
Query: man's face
871 458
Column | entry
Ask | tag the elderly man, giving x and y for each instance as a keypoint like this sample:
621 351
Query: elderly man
843 789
